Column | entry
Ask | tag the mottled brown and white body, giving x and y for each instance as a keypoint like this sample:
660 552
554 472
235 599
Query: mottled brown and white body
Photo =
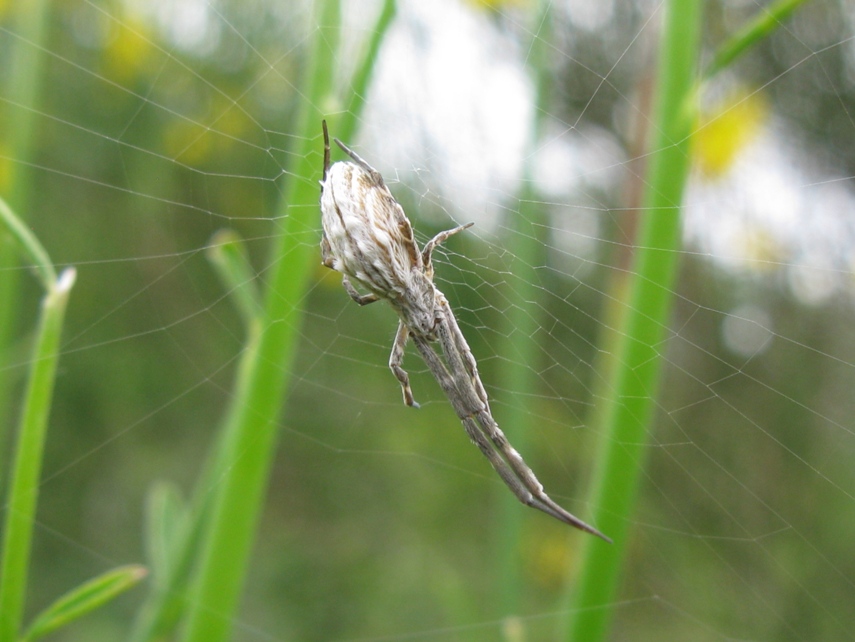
368 238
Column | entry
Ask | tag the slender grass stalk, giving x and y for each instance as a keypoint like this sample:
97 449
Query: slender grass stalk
525 231
768 19
22 104
266 363
167 520
166 604
628 410
174 531
248 434
250 441
520 353
228 255
26 470
346 124
32 430
28 245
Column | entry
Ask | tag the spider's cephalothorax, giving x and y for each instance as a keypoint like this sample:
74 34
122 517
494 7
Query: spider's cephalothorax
368 238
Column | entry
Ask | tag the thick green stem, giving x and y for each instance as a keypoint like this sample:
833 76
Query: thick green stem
628 410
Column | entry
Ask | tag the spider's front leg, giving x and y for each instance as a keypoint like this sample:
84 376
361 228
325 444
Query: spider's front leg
439 239
361 299
395 361
328 260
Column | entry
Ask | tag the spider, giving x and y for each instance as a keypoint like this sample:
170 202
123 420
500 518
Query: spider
368 238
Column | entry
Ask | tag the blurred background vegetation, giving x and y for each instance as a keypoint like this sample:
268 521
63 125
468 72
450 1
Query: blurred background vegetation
156 126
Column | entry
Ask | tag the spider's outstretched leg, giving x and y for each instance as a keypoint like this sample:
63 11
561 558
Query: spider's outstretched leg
395 361
326 252
378 179
361 299
326 151
441 238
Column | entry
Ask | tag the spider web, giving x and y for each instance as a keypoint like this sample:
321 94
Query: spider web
166 122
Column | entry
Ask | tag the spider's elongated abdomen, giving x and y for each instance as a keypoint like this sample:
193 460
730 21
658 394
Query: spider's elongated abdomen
368 235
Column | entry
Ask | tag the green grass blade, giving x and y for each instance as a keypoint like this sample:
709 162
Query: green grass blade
628 409
251 441
28 245
174 532
519 348
228 256
345 125
23 92
24 489
172 558
22 98
224 521
520 354
84 599
770 18
166 521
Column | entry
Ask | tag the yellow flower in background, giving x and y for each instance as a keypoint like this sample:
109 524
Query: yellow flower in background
187 141
128 49
197 140
723 133
548 558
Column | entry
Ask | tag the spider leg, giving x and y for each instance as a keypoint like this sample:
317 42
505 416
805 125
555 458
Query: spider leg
326 150
462 400
360 161
441 238
395 361
454 337
327 258
361 299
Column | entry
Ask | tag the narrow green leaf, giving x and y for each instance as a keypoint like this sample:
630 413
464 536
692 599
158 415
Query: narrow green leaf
166 524
517 370
626 412
769 19
174 530
29 245
85 599
345 126
229 257
249 440
26 29
27 464
252 431
223 524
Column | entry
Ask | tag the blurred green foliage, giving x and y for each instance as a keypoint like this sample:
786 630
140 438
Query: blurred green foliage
378 517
